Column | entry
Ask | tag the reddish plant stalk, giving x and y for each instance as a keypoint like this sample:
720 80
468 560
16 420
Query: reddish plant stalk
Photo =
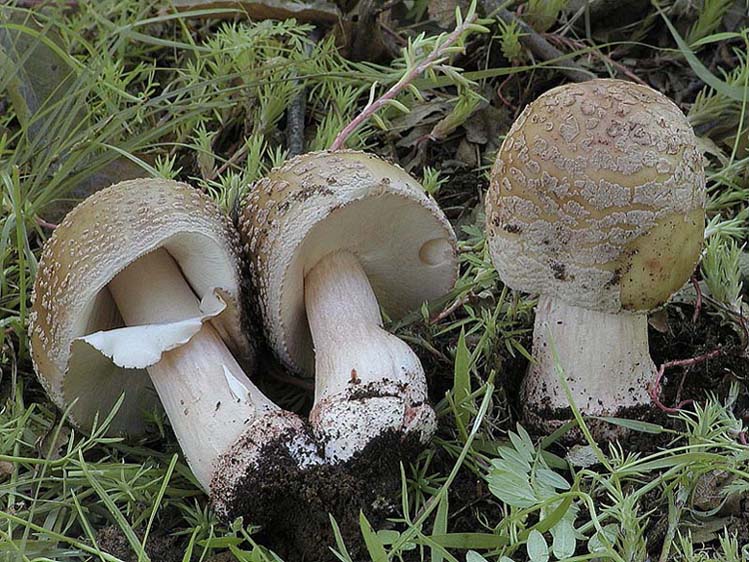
44 224
398 87
655 387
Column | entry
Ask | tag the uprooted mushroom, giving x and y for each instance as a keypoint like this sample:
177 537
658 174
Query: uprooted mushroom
332 236
138 288
597 205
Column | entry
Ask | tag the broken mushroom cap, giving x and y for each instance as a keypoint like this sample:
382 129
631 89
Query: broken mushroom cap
596 203
99 238
323 202
597 197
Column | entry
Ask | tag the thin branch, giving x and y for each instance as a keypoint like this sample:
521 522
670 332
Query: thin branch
698 303
407 79
447 311
655 387
536 44
576 44
501 96
295 114
233 160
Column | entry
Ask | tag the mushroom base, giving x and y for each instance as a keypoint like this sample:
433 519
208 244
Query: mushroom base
605 362
293 504
249 468
546 421
349 421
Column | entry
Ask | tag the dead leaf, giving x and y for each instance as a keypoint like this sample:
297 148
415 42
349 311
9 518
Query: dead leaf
710 493
360 36
368 42
659 320
466 154
317 11
485 125
706 530
48 447
421 114
6 469
419 120
443 11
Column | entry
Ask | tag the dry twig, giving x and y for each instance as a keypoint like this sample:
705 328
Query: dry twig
536 44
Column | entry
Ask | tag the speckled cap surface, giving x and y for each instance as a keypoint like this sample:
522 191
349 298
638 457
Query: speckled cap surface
597 197
321 202
97 240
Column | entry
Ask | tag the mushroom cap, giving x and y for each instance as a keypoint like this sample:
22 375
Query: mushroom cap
597 197
97 240
322 202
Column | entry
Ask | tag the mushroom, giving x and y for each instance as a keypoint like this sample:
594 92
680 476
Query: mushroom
138 289
331 237
596 204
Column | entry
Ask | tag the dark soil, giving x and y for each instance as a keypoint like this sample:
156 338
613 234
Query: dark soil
293 506
686 339
537 423
163 548
683 340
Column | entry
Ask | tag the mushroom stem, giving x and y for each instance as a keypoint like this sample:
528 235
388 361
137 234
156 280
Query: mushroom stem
368 383
604 357
208 398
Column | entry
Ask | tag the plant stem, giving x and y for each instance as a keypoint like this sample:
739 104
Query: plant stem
405 80
655 387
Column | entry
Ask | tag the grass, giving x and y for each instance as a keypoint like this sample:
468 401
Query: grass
191 97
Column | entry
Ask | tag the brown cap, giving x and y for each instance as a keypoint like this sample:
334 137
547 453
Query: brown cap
597 197
98 239
321 202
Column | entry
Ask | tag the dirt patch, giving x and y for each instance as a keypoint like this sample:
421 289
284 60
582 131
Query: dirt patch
537 423
294 505
161 547
686 339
